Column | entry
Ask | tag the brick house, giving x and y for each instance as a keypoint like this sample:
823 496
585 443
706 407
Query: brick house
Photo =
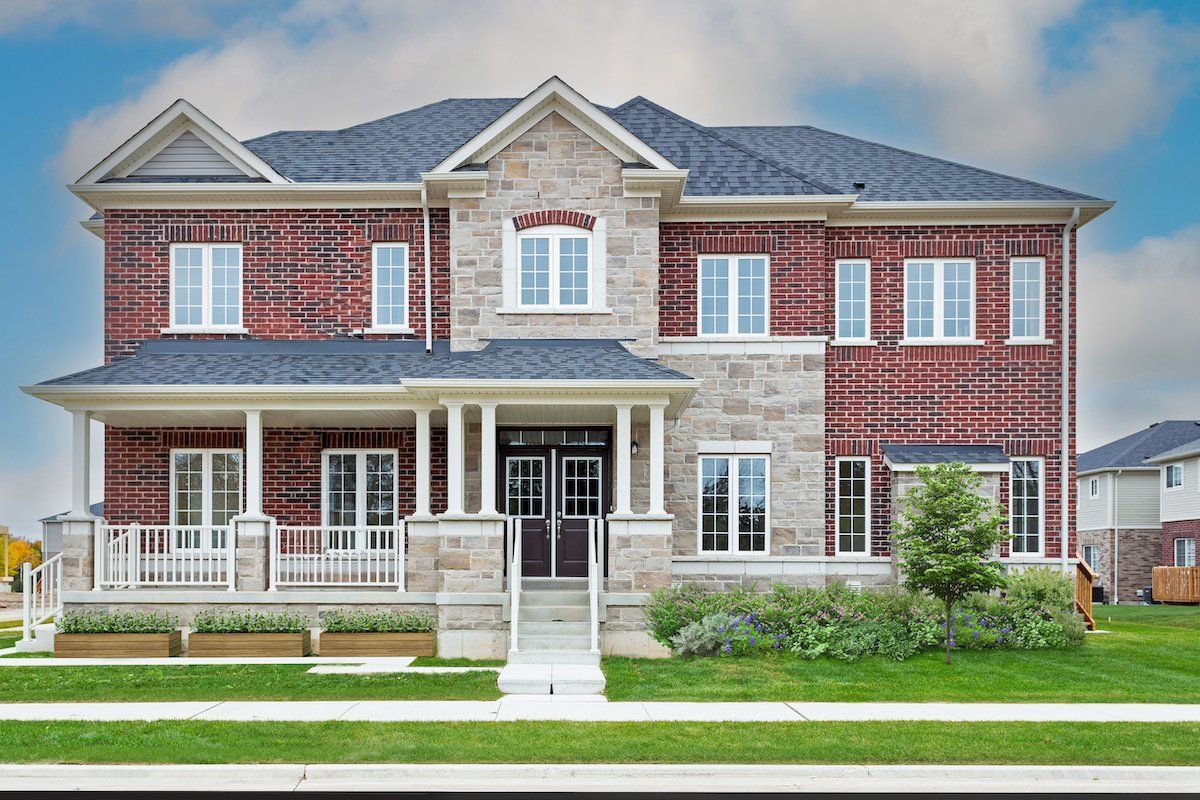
364 367
1139 506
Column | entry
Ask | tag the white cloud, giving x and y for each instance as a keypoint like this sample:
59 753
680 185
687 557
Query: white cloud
975 76
187 18
1139 333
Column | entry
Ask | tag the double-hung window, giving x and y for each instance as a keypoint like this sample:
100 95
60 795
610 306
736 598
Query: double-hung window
1173 476
206 286
206 494
1091 555
1027 288
554 268
1185 552
733 503
359 498
853 506
1025 502
853 300
733 295
389 286
939 299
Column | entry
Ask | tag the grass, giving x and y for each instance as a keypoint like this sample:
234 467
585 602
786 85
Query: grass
232 682
193 742
1151 654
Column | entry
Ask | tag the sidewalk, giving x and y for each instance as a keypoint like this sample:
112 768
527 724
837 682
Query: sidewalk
601 778
597 709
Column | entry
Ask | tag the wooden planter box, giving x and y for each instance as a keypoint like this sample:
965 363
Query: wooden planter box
118 645
377 644
250 644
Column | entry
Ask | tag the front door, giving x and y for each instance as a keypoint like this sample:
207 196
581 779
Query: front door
526 481
580 499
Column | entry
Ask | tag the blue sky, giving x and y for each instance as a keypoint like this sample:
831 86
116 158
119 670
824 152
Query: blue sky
1098 97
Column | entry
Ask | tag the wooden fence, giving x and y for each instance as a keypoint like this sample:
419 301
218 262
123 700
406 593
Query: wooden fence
1084 578
1176 584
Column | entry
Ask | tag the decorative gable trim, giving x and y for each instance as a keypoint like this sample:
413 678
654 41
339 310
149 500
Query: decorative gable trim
553 96
732 244
181 117
532 219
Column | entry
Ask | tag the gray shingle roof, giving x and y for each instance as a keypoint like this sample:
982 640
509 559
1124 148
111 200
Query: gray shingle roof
1134 449
722 161
364 363
1186 449
945 453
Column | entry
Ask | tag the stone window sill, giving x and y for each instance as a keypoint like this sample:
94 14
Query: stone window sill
562 312
854 343
941 342
383 329
1039 342
202 329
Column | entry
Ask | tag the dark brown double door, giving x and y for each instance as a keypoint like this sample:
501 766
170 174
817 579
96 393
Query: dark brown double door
555 491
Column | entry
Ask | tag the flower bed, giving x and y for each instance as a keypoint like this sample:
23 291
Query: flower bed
117 634
377 633
1037 611
249 633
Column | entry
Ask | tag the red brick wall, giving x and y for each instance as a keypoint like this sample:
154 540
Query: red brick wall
137 468
989 394
306 273
798 286
1179 529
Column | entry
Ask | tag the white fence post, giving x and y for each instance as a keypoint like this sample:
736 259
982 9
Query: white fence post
27 602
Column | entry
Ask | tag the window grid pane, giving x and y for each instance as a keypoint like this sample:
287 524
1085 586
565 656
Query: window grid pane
189 492
1185 552
714 295
581 487
752 295
188 302
1026 498
852 300
535 271
342 484
714 504
956 300
380 489
852 506
226 487
526 492
752 504
226 286
918 312
1027 299
573 271
391 285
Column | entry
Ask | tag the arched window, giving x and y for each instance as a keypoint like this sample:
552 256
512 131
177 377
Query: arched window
554 268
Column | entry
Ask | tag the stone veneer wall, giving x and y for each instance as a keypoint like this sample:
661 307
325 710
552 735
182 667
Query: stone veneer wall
553 166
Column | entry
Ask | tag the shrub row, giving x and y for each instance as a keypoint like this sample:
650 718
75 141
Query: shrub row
236 621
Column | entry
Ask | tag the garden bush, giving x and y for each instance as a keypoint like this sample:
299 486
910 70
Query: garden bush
117 622
377 622
232 621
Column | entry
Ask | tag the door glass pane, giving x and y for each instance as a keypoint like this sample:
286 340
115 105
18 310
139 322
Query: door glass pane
581 487
342 483
189 496
714 504
752 504
381 489
525 487
226 492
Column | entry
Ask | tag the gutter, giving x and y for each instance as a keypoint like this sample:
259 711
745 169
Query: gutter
1067 305
1116 533
425 258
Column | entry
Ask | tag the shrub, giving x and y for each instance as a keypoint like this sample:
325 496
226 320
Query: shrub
377 622
704 637
117 622
232 621
1041 589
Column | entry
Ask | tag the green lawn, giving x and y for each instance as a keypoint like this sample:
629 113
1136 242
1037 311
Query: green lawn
232 682
603 742
1151 654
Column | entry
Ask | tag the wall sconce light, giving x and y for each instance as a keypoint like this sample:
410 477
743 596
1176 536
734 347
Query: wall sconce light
633 448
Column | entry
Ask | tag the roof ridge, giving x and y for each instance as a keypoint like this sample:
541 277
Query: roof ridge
739 146
959 164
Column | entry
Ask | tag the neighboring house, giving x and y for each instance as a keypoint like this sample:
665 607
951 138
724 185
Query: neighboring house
1139 506
729 347
52 530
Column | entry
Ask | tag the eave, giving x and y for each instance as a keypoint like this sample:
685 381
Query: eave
105 196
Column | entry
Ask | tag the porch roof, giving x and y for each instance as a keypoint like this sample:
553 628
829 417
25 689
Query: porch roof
982 457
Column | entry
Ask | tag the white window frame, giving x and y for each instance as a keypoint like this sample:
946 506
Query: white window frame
597 269
1012 315
1093 488
837 309
1185 540
1167 487
376 325
1087 547
1041 516
206 305
733 530
837 505
733 331
360 484
939 300
206 454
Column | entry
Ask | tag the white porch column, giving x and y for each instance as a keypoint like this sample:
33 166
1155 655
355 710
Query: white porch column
423 465
624 441
81 463
656 458
487 459
254 463
454 458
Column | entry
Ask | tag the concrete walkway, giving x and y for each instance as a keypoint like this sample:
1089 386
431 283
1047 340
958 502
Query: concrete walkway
597 709
601 778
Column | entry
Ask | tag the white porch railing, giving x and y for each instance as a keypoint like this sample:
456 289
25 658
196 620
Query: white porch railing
42 596
595 536
164 555
320 555
514 578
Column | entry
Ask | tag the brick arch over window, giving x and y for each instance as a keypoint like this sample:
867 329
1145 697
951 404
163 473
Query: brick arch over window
532 219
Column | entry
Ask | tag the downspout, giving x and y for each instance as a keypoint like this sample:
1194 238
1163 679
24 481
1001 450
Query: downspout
1116 532
425 257
1065 495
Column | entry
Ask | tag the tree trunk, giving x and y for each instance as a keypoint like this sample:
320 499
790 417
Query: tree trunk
949 607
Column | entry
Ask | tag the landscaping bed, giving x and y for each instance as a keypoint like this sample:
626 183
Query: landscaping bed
377 633
249 633
130 634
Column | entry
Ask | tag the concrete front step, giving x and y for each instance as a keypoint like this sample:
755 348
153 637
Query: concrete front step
552 584
557 678
554 597
552 642
555 614
578 656
42 641
528 627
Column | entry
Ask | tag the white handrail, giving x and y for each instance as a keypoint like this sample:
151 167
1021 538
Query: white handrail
164 555
324 555
41 594
515 525
594 577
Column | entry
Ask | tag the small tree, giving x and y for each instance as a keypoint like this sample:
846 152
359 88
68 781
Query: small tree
946 536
